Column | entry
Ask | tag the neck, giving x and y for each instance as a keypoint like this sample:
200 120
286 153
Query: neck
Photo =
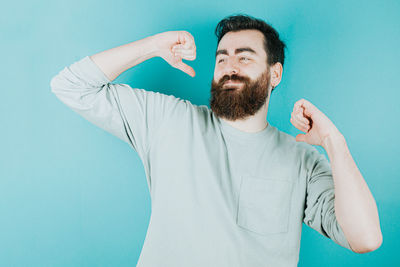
252 124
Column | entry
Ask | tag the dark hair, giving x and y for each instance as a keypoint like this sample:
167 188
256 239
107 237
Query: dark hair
273 46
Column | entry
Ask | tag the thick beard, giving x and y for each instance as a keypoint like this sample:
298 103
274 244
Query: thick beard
244 101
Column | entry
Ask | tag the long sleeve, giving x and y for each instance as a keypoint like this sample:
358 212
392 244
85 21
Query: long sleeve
133 115
320 209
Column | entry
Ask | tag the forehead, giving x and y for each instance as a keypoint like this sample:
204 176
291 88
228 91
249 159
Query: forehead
245 38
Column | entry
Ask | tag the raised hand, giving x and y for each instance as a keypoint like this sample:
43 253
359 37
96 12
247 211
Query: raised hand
174 46
317 127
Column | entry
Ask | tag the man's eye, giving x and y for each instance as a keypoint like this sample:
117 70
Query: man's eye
220 60
244 58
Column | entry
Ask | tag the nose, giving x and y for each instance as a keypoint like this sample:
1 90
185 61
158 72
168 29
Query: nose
231 67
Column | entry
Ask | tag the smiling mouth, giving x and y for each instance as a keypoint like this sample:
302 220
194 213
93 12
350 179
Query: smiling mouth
232 82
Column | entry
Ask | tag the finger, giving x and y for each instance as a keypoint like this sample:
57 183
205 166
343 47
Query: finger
309 108
190 39
299 106
186 39
188 57
308 116
300 116
183 47
302 119
186 54
299 111
188 44
185 68
178 58
295 123
184 51
299 125
190 36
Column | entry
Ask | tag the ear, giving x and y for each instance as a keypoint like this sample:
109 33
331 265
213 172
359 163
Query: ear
276 74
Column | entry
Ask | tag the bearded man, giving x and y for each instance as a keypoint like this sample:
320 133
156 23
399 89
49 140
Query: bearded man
227 188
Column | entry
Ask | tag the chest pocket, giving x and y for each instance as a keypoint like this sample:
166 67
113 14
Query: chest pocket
264 204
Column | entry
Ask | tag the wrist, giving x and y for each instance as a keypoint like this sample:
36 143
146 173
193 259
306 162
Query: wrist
153 45
333 142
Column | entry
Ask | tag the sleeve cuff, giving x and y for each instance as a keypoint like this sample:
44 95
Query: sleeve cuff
91 73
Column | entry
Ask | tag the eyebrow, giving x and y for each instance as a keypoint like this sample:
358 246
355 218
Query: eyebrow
237 51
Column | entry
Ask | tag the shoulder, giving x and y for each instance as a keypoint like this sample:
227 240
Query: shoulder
289 142
163 101
291 148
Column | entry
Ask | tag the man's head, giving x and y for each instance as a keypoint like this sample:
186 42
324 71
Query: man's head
251 55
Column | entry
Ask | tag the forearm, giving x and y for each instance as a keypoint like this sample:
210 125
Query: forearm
355 207
116 60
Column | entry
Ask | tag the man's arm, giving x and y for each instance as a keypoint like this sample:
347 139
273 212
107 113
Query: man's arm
355 207
172 46
116 60
133 115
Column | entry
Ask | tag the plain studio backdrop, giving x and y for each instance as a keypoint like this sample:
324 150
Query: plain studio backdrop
72 194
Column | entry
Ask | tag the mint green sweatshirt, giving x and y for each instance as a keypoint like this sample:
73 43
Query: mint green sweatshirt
219 196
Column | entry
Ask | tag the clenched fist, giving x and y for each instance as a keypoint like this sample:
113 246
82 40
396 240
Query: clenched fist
317 126
173 46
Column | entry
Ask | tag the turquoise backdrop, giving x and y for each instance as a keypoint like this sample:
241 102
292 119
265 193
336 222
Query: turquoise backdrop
72 194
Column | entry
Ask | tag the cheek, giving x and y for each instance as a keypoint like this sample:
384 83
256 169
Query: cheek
217 76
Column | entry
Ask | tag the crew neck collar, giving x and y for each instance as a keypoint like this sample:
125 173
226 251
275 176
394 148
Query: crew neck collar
244 136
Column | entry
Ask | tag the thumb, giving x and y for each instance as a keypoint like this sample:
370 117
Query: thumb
185 68
301 138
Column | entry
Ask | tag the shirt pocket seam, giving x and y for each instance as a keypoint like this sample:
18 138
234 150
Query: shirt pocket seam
265 204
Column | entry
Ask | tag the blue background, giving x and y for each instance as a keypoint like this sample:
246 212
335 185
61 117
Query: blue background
72 194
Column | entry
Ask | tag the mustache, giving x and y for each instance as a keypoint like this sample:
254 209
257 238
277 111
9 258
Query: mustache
233 77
